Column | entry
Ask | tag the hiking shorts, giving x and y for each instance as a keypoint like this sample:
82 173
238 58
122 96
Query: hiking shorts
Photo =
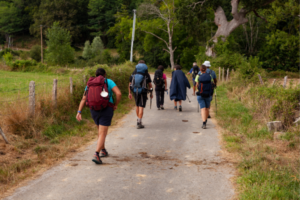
194 82
204 102
103 117
140 100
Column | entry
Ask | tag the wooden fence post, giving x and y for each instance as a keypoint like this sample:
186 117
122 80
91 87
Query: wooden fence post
219 73
54 93
223 75
227 75
3 135
84 79
71 85
260 79
273 82
31 98
285 81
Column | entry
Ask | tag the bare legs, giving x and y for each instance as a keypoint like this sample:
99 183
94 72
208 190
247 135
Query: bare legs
102 132
204 114
139 112
175 102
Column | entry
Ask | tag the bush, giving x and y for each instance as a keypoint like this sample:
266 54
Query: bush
97 46
106 56
93 50
8 58
24 55
87 51
8 50
35 53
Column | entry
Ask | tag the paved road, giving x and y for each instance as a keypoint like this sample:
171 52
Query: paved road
169 159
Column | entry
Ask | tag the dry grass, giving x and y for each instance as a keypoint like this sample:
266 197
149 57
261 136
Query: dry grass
39 142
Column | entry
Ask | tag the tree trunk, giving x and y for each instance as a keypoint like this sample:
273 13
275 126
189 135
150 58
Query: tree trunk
225 27
172 58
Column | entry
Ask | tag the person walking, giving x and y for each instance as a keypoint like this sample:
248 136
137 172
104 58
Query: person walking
178 86
140 85
204 93
160 82
194 71
214 80
101 107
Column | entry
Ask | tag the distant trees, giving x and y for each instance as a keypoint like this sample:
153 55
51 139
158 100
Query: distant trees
59 45
91 51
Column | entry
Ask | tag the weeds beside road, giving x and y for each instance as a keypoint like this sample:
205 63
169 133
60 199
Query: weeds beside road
268 167
39 142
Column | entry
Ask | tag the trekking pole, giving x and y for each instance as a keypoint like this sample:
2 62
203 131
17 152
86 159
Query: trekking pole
151 94
216 101
198 106
188 98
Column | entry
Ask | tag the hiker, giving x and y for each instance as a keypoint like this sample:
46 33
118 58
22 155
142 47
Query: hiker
101 106
160 82
178 86
194 71
214 80
140 85
204 93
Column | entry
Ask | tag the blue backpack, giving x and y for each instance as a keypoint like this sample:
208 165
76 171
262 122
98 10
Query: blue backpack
139 84
205 86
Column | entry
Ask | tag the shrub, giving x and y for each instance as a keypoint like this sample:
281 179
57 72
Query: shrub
87 51
24 55
106 56
35 53
8 58
97 46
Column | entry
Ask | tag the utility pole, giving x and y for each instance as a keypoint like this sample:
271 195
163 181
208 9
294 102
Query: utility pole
42 59
133 31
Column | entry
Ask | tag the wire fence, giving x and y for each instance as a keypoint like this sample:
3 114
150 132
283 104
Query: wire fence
32 97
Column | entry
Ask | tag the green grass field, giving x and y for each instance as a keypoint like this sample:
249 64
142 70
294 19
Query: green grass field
15 85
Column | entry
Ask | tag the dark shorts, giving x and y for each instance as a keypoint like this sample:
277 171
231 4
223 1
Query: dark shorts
140 100
204 102
103 117
194 83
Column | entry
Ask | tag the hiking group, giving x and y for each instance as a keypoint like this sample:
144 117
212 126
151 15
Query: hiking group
98 95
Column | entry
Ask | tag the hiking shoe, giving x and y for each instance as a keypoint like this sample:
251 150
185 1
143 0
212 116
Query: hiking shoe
103 153
180 109
161 107
175 107
139 126
204 126
209 116
158 108
97 159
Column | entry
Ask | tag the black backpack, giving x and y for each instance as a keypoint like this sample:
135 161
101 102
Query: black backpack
204 86
195 71
158 79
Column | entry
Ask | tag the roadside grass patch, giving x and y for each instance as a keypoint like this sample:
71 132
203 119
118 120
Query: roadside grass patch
268 168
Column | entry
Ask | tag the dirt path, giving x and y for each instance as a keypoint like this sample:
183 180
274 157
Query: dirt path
169 159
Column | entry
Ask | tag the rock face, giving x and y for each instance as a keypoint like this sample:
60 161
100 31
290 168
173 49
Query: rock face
275 126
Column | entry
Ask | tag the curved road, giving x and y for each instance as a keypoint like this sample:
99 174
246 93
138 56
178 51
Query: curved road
170 159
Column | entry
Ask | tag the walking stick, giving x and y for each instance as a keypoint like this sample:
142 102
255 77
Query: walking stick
216 101
188 98
151 94
198 106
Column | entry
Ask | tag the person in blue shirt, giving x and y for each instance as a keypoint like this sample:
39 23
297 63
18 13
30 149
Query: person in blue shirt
102 118
214 77
194 71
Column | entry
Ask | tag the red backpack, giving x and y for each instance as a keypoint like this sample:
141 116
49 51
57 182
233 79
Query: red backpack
97 85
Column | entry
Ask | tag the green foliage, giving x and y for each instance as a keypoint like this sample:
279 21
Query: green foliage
97 46
87 51
8 58
10 19
35 53
24 55
106 56
281 52
59 46
69 14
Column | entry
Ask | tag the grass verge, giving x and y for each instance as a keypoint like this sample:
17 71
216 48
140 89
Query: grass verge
268 168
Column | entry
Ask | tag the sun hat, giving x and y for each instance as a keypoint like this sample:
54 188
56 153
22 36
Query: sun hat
207 63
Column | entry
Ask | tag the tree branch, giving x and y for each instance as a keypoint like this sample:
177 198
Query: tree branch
193 5
257 15
157 37
166 50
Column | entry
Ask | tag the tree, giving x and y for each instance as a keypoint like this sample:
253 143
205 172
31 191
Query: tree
87 50
226 27
164 20
97 46
71 15
59 45
10 21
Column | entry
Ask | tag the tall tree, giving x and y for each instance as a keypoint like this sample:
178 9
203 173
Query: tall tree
160 16
239 10
71 15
